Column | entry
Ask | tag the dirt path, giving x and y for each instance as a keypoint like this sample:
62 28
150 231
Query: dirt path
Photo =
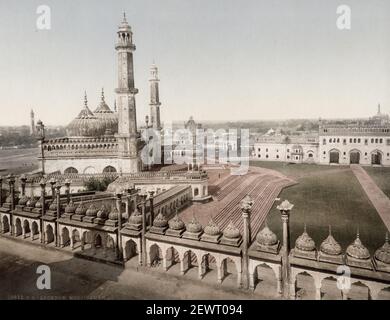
379 200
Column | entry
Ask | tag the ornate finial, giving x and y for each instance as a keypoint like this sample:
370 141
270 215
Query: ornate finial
357 233
285 206
246 203
124 16
102 94
330 230
85 99
304 228
379 108
387 237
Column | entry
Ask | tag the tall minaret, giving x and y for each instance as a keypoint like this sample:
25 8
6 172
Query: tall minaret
32 116
154 98
127 126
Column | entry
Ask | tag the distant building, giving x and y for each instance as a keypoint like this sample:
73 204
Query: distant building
365 142
32 128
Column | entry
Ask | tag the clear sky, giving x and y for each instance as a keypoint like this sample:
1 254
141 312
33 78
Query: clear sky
218 59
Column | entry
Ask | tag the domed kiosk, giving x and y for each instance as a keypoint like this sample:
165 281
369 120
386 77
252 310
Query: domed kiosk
330 250
357 255
382 256
305 246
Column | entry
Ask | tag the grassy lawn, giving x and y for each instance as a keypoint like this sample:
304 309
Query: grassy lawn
327 195
381 176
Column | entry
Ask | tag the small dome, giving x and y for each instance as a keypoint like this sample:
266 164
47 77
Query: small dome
266 237
102 213
53 205
114 214
136 217
70 208
212 229
383 253
31 202
107 118
23 200
38 204
330 245
86 124
194 226
92 211
81 210
357 250
8 199
305 242
176 223
231 231
160 221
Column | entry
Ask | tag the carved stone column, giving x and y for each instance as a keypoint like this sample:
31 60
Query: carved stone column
285 208
42 183
246 208
11 183
1 191
57 231
119 238
144 222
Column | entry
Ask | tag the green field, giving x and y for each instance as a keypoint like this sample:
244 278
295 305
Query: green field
381 176
327 195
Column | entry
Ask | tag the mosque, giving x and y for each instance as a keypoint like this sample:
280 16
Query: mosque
105 140
142 221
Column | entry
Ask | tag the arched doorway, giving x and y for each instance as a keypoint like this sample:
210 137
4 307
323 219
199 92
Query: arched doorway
265 281
329 289
196 192
70 170
34 230
209 268
109 169
18 227
5 224
130 249
384 294
358 291
190 264
376 157
354 157
155 256
76 239
50 234
65 237
26 228
305 287
172 260
98 241
334 156
229 273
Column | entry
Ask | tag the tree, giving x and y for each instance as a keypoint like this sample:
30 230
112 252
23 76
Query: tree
98 184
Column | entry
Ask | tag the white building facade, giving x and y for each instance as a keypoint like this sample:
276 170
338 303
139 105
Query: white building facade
365 142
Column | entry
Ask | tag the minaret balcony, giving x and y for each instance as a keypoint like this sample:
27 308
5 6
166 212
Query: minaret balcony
125 46
126 90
